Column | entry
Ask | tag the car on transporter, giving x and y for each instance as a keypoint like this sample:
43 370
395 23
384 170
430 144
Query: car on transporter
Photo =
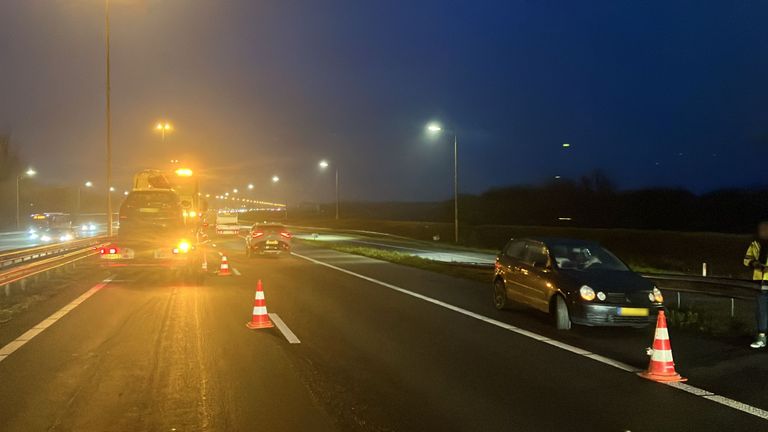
576 281
268 238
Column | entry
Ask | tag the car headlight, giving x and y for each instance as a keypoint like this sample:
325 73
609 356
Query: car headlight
45 238
655 296
65 237
183 247
601 296
587 293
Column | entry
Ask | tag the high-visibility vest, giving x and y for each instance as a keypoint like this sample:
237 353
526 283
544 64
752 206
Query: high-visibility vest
752 255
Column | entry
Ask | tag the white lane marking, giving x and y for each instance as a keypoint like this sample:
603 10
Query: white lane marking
236 271
289 336
722 400
8 349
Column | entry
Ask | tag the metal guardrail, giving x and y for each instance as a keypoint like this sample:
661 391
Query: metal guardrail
743 289
19 256
18 273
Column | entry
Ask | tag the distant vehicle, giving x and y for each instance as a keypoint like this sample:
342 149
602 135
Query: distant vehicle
267 238
88 228
227 224
575 281
57 235
154 234
51 227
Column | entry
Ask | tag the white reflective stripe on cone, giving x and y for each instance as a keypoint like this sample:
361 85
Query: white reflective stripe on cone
259 295
259 310
662 333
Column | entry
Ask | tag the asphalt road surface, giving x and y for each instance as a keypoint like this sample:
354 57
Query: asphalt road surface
382 347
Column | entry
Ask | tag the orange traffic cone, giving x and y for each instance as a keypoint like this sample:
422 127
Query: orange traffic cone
662 367
224 269
260 317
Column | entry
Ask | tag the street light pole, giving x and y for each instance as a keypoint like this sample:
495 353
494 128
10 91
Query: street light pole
436 128
18 203
108 120
455 188
337 193
29 173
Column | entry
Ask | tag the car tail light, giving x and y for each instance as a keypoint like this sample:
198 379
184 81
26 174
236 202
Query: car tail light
111 250
286 234
257 234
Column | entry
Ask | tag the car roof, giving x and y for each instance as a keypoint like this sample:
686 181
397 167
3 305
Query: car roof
562 241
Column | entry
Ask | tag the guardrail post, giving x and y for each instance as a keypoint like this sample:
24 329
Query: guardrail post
704 269
678 300
7 289
23 284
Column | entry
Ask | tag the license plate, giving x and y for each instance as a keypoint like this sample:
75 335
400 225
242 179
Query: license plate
633 311
271 242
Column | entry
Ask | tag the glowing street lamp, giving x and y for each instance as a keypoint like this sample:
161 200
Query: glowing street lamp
250 186
435 128
87 184
275 179
323 165
163 127
28 173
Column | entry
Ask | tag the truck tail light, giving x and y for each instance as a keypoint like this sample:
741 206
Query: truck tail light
256 234
286 234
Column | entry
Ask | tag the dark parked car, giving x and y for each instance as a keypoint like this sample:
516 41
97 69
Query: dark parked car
267 238
576 281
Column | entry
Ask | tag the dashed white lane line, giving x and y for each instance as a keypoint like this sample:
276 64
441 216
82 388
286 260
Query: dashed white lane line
289 336
757 412
236 271
20 341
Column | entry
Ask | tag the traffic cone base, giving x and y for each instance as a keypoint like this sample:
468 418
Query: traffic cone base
662 367
253 326
260 316
224 268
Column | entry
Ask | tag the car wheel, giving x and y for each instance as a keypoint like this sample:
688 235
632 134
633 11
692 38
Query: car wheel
562 317
500 299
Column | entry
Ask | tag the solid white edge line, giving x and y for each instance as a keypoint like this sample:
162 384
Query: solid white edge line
30 334
289 336
739 406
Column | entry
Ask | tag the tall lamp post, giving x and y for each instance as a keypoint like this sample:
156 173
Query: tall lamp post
87 184
435 129
276 180
28 173
323 165
163 127
108 117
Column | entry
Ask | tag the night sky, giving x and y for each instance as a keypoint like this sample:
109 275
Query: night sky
655 93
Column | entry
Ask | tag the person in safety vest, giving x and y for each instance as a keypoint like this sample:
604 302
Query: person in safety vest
757 259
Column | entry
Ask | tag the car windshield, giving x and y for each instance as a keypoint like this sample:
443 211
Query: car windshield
584 257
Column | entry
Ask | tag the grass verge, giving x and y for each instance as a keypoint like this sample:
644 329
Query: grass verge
479 274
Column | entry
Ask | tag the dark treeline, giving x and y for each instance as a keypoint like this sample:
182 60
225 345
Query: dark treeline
592 201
